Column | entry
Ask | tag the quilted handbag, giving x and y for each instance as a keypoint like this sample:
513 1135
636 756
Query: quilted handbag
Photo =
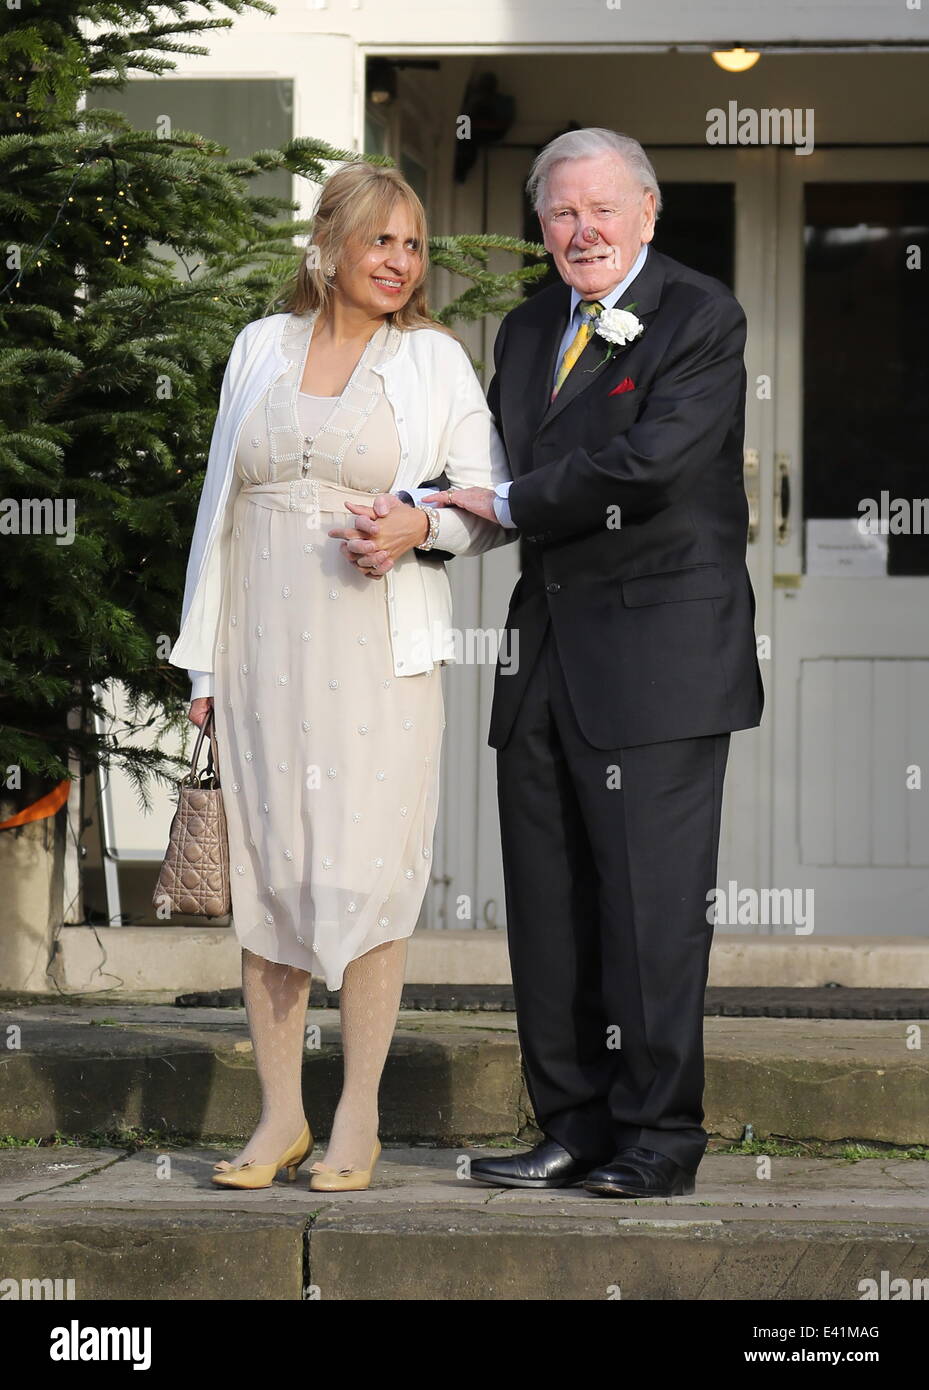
194 877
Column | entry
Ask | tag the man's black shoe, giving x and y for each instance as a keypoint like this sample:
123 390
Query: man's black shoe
547 1165
640 1173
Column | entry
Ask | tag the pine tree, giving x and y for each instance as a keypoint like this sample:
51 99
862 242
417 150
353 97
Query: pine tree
111 362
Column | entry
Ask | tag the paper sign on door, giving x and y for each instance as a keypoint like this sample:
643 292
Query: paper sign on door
839 549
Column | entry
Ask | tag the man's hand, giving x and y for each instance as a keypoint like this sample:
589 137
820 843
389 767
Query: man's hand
396 526
479 500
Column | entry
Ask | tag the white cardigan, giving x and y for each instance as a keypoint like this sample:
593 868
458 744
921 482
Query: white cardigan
444 425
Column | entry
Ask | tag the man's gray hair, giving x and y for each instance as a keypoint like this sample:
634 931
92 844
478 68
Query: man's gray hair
584 144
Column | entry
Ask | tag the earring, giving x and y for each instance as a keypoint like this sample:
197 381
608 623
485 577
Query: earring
329 272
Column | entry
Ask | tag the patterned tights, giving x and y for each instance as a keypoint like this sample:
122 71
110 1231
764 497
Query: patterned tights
276 998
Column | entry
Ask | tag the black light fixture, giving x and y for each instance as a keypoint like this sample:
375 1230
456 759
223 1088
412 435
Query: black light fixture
490 113
382 76
382 81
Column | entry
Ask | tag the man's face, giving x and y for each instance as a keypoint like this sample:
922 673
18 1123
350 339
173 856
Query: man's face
594 220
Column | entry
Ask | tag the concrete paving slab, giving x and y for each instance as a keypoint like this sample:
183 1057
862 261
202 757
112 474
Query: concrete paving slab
150 1224
832 1188
46 1169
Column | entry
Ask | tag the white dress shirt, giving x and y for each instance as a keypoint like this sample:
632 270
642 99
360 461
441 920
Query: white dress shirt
501 505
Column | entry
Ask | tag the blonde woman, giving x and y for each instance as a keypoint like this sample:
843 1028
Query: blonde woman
321 658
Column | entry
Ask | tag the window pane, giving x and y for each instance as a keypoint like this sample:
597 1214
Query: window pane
866 354
415 175
243 116
697 227
375 134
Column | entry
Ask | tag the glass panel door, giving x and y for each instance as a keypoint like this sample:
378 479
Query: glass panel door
851 611
719 217
866 355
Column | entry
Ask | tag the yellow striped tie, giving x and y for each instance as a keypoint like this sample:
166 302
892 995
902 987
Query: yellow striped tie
589 311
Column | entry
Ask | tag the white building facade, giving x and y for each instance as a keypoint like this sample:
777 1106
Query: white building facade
804 182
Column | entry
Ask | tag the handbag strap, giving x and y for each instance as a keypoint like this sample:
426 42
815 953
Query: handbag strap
212 756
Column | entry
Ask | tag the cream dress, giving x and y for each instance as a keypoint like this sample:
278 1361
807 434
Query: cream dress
330 763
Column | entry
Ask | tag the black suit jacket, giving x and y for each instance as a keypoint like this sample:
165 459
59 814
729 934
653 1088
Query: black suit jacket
651 605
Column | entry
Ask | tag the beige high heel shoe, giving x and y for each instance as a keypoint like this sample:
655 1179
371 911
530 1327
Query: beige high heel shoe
323 1179
251 1174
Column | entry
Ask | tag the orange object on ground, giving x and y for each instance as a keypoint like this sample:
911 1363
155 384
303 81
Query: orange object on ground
46 805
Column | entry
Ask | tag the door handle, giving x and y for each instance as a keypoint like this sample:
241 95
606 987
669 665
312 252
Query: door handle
751 470
782 498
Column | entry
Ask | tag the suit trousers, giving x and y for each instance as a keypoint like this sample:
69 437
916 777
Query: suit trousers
609 855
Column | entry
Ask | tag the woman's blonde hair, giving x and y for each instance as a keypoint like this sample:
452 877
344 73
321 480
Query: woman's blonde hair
357 202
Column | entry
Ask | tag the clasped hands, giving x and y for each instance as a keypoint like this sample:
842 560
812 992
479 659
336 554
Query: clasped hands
399 527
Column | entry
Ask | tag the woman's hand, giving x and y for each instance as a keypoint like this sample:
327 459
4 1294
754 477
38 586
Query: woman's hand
199 709
383 532
479 500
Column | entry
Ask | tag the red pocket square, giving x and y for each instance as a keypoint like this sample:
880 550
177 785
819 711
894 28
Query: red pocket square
627 384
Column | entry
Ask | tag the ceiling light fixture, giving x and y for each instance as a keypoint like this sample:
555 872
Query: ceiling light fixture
736 59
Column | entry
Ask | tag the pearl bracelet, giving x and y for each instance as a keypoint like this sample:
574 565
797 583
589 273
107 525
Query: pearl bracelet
432 514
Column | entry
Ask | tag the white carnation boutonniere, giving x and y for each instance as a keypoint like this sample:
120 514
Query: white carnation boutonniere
618 327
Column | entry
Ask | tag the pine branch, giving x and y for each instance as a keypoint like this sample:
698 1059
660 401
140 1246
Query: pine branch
139 259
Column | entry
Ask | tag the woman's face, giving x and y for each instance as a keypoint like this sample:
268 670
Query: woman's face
378 277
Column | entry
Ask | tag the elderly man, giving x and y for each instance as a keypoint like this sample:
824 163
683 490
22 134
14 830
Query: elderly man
620 396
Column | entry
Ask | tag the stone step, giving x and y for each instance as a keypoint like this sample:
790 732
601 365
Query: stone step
149 1224
180 958
82 1069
